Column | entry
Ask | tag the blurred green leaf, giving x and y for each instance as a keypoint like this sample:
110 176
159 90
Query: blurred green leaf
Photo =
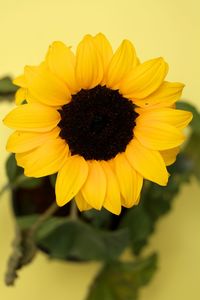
52 179
192 154
6 85
12 170
99 219
122 280
16 175
195 123
7 88
70 239
155 201
73 239
140 225
30 183
115 242
192 148
25 222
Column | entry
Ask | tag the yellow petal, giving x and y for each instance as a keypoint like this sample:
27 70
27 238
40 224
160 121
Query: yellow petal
89 67
122 62
81 203
25 94
149 163
165 96
178 118
20 95
112 200
32 117
20 81
21 141
30 98
157 135
45 160
61 62
145 79
169 156
94 189
70 179
104 49
130 181
46 87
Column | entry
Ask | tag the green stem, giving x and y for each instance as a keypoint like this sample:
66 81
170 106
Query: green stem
24 247
43 217
14 259
13 185
73 211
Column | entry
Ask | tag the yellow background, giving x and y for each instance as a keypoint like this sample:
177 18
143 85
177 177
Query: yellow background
158 28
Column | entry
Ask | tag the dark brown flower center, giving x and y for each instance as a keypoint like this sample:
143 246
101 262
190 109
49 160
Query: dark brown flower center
98 123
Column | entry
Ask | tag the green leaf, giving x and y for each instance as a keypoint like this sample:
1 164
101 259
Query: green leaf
12 170
192 154
7 88
115 242
16 176
30 183
73 239
52 179
122 280
155 202
25 222
139 224
195 123
70 239
99 219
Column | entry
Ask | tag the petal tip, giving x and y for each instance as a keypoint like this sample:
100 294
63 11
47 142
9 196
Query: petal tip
87 37
126 42
59 203
4 120
100 34
190 116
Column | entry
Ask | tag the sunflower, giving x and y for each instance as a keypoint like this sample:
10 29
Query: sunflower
103 121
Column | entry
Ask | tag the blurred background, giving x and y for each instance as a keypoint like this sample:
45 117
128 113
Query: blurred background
157 28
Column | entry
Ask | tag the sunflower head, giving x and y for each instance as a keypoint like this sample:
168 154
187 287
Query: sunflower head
103 121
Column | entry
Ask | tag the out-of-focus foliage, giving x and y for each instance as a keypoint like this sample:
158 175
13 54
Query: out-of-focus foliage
156 200
16 175
7 88
195 123
191 153
76 240
122 280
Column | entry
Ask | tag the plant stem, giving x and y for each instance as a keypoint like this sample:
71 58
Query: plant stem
73 211
43 217
13 185
24 247
14 259
4 188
